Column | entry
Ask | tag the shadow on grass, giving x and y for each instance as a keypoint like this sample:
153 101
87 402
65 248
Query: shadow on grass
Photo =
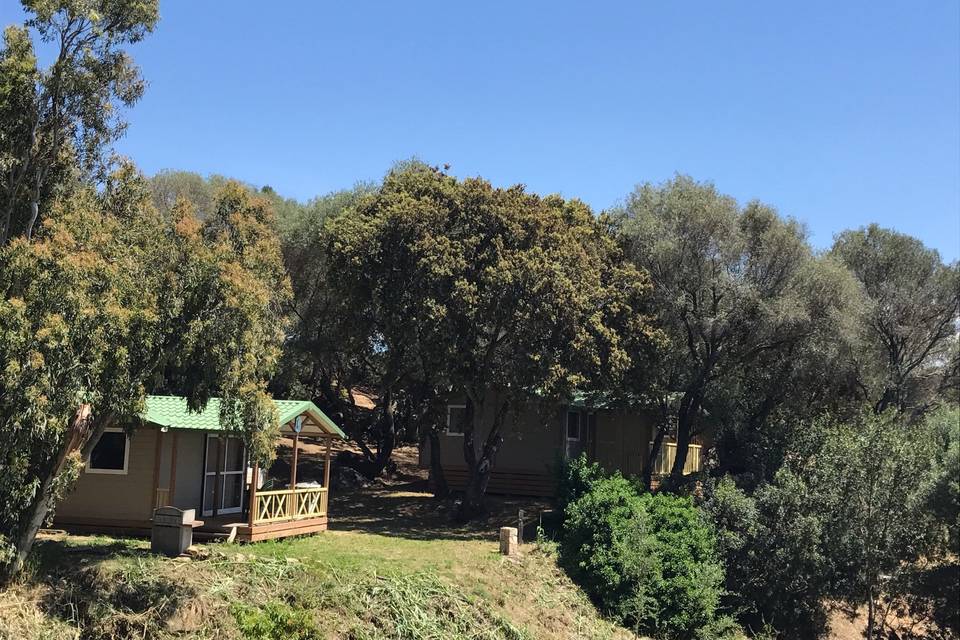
404 511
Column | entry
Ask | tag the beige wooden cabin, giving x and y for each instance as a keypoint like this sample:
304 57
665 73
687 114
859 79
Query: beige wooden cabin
186 459
539 436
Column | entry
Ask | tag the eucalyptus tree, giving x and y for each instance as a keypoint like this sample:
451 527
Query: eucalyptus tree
499 294
733 287
912 323
57 123
112 300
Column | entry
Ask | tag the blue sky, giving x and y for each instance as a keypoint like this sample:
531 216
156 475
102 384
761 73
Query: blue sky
837 113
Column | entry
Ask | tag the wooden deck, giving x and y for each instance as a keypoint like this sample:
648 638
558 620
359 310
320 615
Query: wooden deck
221 526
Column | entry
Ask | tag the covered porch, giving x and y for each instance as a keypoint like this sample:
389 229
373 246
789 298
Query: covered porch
243 502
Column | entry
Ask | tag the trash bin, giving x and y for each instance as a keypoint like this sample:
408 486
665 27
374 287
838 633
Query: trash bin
172 530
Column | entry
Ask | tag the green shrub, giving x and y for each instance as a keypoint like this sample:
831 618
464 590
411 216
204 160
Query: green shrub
575 478
776 574
276 621
648 561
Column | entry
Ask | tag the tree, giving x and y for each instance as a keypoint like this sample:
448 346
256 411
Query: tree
330 351
57 124
911 327
112 300
502 295
733 286
874 477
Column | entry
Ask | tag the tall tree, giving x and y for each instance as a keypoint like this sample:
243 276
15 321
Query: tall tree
112 300
732 286
57 124
911 325
502 295
330 351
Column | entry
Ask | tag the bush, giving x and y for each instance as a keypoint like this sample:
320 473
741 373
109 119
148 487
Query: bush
647 561
770 543
276 621
575 479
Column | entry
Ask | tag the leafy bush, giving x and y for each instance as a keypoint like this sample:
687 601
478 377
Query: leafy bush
276 621
575 479
648 561
770 543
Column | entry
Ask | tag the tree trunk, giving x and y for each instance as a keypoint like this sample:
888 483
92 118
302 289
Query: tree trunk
871 614
479 468
437 481
652 456
81 435
686 415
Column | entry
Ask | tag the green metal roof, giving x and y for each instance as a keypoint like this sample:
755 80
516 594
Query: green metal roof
172 412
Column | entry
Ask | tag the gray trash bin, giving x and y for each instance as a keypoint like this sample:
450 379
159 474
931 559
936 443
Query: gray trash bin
172 530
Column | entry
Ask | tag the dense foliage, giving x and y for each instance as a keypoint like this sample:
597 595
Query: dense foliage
842 521
647 560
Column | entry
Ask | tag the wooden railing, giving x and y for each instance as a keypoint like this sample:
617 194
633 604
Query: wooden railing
289 504
663 465
162 498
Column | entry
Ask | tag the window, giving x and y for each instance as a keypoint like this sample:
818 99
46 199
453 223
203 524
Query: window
456 419
573 425
111 453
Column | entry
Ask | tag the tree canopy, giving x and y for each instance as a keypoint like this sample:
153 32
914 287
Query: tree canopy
112 300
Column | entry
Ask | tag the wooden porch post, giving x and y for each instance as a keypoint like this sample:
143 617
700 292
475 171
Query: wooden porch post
252 515
293 476
326 467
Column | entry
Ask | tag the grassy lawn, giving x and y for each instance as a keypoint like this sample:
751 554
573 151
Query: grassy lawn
391 567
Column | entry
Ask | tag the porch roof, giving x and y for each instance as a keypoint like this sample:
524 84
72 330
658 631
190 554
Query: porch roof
173 412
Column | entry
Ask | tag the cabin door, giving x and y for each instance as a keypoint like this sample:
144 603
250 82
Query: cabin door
224 468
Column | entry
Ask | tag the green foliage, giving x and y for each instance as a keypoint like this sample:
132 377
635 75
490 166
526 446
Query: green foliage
112 300
459 284
909 326
943 500
742 298
647 560
859 518
57 124
575 478
772 546
276 621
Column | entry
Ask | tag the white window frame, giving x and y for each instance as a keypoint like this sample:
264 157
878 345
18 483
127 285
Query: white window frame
449 412
566 426
126 455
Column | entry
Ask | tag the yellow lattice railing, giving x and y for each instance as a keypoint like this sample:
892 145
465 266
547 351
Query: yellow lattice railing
663 465
289 504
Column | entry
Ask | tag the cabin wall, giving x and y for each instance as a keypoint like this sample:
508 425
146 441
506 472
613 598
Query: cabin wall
623 440
118 497
535 441
532 446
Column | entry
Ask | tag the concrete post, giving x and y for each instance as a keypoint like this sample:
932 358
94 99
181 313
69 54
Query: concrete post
508 541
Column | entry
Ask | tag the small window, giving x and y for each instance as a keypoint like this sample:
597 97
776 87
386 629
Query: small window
573 425
111 453
456 419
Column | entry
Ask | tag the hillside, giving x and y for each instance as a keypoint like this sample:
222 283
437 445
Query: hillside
391 568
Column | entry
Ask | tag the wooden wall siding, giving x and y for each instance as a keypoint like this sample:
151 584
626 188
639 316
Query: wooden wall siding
125 497
622 441
532 439
508 482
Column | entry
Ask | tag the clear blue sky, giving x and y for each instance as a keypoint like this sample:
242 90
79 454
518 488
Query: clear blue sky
837 113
